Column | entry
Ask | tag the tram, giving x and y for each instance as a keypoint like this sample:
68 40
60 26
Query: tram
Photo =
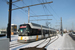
3 33
33 32
13 29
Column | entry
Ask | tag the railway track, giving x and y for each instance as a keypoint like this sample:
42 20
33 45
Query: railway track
16 44
43 42
42 48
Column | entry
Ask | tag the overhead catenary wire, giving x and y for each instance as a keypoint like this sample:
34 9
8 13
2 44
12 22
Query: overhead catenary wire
20 11
41 19
53 9
34 12
43 7
44 10
30 9
15 5
18 6
46 7
32 5
41 15
48 10
26 4
16 1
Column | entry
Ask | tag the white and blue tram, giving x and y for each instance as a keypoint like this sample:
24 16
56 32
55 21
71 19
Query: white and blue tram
33 32
3 33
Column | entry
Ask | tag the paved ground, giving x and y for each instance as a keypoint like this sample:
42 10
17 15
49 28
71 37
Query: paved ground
64 42
69 43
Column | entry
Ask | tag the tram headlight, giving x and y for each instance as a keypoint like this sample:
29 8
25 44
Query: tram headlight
19 37
24 38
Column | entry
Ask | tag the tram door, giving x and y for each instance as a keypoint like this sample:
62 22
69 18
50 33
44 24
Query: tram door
48 33
44 32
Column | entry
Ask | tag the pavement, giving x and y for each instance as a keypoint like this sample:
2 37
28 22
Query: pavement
64 42
68 43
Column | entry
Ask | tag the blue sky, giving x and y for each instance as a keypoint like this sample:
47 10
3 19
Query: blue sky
59 8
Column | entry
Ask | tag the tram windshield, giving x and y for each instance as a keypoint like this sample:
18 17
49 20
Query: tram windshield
23 30
3 32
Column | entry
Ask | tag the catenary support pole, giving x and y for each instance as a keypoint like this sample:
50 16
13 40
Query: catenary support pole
28 14
9 21
61 28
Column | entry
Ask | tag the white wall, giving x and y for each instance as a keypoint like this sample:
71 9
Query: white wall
4 44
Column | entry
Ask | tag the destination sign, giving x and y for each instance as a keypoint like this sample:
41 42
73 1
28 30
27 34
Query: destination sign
22 26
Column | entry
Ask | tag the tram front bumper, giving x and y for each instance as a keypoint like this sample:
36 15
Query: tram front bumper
24 41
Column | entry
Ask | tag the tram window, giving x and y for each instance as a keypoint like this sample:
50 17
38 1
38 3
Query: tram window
47 31
50 32
15 29
44 31
39 32
3 31
33 32
22 29
28 29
